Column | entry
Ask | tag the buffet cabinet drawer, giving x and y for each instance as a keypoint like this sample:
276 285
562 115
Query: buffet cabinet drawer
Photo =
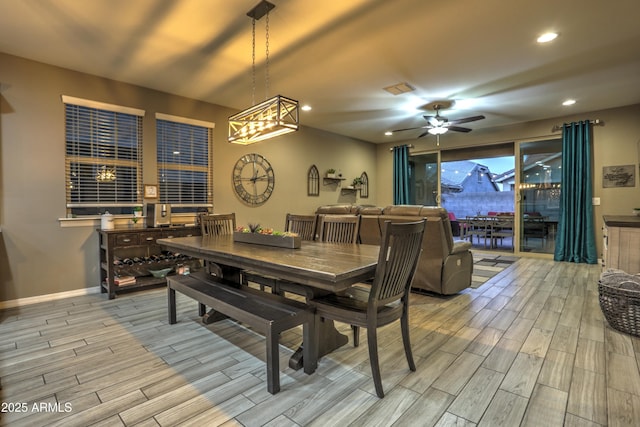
149 238
127 239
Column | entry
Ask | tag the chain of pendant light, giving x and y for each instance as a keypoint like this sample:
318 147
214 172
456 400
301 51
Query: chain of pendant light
253 60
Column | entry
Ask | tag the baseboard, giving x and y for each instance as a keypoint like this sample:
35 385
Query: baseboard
49 297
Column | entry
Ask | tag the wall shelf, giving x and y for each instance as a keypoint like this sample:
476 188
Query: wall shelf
349 189
332 181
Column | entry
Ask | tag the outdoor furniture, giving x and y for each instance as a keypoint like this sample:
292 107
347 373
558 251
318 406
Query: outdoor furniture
479 227
502 228
387 300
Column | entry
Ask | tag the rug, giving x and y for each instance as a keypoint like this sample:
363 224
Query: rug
486 266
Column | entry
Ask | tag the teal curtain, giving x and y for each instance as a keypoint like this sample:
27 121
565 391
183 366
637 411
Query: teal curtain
401 175
575 241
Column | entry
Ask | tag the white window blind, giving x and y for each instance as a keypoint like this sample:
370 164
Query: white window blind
184 159
103 159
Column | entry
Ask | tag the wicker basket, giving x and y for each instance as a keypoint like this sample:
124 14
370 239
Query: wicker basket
621 307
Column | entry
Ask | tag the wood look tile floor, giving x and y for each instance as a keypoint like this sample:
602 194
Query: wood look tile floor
529 347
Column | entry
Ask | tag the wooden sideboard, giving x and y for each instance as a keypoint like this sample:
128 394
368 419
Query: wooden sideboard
622 243
138 247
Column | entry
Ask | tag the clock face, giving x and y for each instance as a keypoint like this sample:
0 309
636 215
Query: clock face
253 179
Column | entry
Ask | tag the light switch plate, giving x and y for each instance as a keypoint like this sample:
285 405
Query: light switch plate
596 201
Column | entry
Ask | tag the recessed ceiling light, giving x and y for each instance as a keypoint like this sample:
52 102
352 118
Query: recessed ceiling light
306 108
388 133
569 102
547 37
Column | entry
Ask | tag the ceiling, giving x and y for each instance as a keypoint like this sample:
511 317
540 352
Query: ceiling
337 56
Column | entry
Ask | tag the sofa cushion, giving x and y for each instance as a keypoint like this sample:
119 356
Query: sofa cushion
338 209
370 210
402 210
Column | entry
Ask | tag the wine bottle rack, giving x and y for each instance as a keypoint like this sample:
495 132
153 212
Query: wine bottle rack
133 252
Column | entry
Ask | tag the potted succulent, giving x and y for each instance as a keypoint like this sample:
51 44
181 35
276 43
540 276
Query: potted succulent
331 173
137 214
357 182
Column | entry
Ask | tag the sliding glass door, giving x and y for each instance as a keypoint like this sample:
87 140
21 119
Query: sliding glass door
423 179
539 194
515 203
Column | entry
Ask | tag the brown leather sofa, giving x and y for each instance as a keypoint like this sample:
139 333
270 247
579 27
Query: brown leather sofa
445 265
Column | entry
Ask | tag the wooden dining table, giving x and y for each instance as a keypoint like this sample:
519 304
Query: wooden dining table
318 268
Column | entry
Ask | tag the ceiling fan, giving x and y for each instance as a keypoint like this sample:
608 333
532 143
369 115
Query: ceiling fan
439 124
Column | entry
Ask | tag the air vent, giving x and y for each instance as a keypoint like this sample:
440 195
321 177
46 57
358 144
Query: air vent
399 88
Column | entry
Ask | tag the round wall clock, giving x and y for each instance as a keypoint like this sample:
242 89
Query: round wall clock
253 179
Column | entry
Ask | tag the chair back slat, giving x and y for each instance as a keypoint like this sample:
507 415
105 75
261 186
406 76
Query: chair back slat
397 262
217 224
340 228
303 225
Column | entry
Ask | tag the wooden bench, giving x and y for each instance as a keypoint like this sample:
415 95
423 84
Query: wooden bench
267 313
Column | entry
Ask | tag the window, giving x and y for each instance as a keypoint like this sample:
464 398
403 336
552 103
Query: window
103 160
184 159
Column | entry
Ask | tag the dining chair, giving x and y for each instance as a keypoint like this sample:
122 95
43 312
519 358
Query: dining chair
387 299
332 229
217 224
339 228
305 227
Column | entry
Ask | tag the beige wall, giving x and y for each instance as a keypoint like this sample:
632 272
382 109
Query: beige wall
39 257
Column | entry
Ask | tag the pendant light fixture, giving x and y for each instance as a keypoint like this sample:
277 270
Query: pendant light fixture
270 118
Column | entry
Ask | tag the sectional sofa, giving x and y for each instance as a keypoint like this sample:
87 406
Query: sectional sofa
445 265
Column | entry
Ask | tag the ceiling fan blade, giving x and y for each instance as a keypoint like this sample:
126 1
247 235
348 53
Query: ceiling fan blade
466 120
423 134
400 130
459 129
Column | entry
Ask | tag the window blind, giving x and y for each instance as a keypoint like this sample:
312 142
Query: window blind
103 160
184 173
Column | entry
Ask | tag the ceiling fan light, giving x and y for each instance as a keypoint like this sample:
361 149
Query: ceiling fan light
437 130
547 37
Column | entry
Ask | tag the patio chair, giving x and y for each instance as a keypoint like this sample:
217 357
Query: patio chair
479 227
387 300
502 228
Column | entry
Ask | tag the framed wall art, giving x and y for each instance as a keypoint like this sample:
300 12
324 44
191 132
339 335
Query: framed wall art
619 176
150 191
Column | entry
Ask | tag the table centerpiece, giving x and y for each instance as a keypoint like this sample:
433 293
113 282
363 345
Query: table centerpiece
257 235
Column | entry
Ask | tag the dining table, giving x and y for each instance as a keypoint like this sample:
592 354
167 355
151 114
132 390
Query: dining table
317 268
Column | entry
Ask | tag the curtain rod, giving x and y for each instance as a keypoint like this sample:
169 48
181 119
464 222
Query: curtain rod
596 122
408 146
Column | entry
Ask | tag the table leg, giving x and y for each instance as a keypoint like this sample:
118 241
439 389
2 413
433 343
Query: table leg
329 339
